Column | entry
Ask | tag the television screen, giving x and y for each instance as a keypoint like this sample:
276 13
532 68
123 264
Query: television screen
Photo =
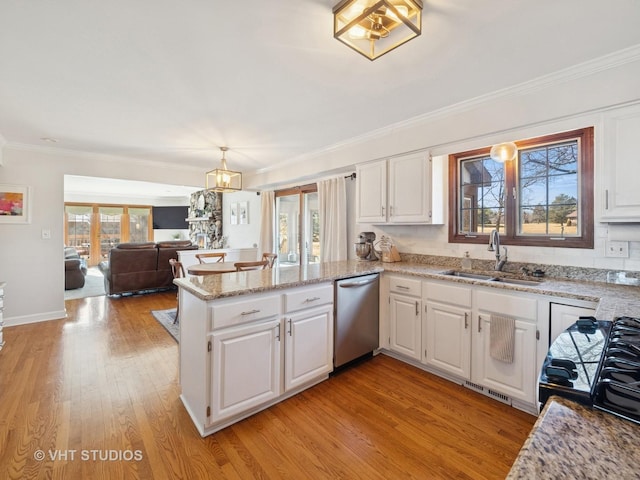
170 218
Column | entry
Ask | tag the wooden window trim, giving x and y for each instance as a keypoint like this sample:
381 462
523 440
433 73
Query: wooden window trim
510 237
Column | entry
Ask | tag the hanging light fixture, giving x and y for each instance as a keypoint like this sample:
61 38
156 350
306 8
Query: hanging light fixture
373 28
223 180
503 152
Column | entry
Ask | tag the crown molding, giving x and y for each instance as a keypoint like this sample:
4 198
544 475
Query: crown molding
85 155
585 69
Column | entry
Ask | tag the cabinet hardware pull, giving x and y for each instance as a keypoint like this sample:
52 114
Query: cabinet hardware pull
479 323
417 309
391 210
278 334
382 211
312 299
250 312
466 320
289 322
402 287
606 199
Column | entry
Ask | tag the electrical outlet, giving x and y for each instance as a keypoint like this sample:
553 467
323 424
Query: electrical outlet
616 249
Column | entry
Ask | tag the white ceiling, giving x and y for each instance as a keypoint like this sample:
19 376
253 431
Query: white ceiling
171 81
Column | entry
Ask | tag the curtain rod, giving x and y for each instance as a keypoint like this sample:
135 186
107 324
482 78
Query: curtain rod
352 176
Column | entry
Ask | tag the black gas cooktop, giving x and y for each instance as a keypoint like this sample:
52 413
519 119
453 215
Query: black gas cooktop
596 363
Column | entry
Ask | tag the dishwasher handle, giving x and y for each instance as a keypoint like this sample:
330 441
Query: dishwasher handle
357 284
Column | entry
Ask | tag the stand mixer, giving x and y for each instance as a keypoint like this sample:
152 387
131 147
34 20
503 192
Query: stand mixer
364 246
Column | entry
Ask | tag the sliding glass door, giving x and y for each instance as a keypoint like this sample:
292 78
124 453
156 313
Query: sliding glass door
297 226
95 229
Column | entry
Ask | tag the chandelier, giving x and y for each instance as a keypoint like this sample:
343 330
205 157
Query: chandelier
223 180
373 28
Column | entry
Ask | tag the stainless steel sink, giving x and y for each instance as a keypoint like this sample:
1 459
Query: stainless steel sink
491 278
473 276
516 281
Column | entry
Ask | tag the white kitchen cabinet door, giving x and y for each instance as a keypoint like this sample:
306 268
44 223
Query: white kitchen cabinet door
620 195
409 189
308 346
447 339
517 379
405 325
371 192
563 316
246 366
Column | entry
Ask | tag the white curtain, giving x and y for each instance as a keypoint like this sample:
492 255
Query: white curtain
332 206
267 219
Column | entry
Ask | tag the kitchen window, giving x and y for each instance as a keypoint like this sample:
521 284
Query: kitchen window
544 197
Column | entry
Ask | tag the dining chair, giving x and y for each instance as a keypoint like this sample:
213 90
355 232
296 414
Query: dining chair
242 266
270 257
202 256
178 272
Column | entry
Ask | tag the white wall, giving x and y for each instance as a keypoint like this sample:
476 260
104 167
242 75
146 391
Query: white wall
568 100
33 267
245 235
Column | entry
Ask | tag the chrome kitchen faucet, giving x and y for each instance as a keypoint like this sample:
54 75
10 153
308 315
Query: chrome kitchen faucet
494 240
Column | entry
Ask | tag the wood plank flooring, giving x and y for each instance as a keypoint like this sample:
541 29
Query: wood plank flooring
97 394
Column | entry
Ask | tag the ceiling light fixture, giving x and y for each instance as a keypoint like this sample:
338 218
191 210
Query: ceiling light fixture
223 180
373 28
503 152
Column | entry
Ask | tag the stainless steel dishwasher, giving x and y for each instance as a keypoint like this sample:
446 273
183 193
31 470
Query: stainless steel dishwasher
357 309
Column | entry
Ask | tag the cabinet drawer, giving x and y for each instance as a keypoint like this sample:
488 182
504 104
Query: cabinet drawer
512 305
452 294
249 309
406 286
308 297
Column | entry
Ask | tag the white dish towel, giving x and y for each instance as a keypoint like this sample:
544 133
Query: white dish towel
502 338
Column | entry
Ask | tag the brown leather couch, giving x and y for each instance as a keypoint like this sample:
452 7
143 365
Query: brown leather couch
136 267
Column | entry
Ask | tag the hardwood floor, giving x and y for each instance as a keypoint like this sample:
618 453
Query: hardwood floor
97 394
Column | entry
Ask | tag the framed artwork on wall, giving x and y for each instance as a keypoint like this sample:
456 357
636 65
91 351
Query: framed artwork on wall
243 213
15 204
233 216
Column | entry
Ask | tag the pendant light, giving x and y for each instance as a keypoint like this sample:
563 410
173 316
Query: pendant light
503 152
223 180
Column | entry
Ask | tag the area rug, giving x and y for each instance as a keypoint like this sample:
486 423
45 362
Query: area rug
93 286
165 318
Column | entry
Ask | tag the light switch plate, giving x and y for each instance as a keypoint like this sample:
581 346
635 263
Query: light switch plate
616 249
46 234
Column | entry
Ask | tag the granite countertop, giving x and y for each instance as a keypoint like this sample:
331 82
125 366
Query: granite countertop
613 300
572 441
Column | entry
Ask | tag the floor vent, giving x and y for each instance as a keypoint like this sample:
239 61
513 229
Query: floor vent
474 386
499 396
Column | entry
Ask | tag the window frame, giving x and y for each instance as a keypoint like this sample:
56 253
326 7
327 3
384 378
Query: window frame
510 235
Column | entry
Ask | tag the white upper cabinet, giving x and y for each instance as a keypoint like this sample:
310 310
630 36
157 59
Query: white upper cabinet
619 193
397 191
371 192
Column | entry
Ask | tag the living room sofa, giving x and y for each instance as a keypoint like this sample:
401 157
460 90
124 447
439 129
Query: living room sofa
74 269
135 267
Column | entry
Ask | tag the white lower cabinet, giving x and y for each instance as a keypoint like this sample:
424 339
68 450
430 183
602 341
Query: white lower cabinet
245 368
516 379
242 354
308 346
405 319
447 338
455 338
447 328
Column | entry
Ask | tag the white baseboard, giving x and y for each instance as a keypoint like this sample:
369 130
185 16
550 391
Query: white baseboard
35 318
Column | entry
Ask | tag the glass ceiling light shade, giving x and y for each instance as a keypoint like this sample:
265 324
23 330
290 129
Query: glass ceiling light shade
222 179
503 152
373 28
